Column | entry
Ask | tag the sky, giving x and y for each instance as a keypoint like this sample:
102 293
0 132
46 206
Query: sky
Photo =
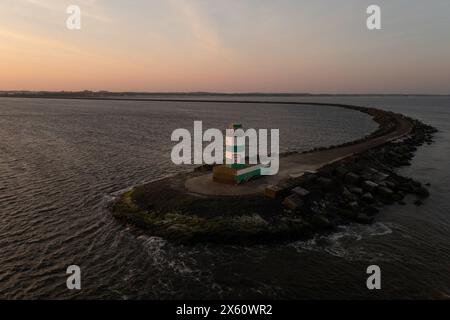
320 46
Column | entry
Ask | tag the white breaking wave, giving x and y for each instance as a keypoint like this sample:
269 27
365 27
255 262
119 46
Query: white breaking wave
346 242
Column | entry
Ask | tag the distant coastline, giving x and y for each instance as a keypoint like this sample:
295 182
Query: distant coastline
109 95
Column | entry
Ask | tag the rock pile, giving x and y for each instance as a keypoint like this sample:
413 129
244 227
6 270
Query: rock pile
356 188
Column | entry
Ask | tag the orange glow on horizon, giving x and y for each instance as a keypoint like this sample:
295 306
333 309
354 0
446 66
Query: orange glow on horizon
232 46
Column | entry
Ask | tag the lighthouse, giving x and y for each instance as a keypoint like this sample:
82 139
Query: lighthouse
235 148
235 170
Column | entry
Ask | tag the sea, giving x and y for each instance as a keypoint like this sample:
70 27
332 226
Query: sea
63 161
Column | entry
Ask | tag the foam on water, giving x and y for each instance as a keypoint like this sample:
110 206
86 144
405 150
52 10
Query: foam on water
347 242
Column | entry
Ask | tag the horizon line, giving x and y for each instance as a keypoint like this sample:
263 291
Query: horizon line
205 93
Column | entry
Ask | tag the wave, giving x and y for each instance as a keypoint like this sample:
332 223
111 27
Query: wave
346 242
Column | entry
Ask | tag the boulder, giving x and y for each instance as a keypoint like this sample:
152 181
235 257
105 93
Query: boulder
357 191
325 183
347 194
390 184
272 191
293 202
302 193
367 197
308 179
354 205
380 176
369 185
384 191
320 221
351 178
397 196
382 184
297 221
340 171
394 155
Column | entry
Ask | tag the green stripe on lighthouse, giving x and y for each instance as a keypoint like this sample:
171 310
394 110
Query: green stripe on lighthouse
235 148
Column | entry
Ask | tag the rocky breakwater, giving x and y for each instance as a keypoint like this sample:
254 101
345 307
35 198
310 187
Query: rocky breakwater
355 189
351 190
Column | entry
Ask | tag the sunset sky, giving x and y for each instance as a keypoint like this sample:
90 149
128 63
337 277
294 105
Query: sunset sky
226 45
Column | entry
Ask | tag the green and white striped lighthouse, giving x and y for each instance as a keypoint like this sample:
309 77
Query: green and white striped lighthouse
236 170
235 148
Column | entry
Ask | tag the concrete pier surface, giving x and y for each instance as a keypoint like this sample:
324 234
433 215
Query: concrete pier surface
297 164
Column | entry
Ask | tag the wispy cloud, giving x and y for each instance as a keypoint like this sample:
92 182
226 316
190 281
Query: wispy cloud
39 43
41 3
232 45
198 24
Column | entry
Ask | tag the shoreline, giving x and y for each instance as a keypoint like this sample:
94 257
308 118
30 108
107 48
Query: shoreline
349 183
112 95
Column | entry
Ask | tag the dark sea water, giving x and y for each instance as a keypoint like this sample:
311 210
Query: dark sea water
63 161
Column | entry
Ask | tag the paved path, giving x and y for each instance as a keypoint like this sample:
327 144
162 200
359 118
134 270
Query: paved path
295 165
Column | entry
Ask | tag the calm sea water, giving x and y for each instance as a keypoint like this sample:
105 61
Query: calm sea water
62 161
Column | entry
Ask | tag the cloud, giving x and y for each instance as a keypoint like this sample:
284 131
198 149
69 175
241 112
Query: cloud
198 24
41 3
48 45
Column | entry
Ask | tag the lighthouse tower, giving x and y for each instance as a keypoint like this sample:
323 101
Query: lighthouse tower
235 170
235 148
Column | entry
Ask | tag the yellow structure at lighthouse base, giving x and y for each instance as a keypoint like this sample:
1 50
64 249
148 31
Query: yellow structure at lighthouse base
234 176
